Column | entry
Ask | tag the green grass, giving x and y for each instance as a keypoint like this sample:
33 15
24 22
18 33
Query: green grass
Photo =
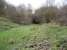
6 24
28 34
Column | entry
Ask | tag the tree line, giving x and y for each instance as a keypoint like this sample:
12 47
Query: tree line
45 14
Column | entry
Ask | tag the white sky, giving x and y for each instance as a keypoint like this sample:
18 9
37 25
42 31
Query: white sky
35 3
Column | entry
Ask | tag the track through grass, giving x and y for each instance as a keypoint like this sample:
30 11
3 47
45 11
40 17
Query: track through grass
18 38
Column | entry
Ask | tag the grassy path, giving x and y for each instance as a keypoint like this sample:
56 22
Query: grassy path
18 38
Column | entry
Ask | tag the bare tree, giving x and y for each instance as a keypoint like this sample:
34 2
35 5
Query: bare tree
50 2
2 6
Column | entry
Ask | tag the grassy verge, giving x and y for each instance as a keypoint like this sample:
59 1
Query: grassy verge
6 24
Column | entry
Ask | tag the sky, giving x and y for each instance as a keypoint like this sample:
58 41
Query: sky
35 3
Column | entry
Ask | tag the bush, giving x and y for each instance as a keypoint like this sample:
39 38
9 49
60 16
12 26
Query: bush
36 20
47 14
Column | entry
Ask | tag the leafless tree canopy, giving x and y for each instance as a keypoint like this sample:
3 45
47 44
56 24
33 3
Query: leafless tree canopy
45 14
